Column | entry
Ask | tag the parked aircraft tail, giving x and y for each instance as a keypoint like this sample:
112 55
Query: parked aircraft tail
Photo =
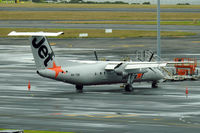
41 49
42 52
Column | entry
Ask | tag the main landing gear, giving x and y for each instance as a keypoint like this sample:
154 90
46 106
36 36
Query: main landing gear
128 88
154 84
79 88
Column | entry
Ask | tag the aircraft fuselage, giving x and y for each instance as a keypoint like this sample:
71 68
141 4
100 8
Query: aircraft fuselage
95 74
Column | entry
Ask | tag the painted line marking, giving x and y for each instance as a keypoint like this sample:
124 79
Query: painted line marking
52 43
195 41
156 119
98 115
128 45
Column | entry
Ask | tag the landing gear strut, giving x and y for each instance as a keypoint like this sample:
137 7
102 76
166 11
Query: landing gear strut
128 87
154 84
79 88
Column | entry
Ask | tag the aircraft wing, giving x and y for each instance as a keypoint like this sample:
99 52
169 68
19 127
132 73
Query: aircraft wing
138 66
111 66
134 65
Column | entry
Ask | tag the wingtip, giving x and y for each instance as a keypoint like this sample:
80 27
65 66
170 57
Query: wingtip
61 33
12 33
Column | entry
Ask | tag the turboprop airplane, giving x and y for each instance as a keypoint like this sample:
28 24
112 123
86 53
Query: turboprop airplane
83 73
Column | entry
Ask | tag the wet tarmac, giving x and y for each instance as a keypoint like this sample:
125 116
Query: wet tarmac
52 105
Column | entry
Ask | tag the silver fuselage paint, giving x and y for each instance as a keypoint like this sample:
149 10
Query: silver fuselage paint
95 74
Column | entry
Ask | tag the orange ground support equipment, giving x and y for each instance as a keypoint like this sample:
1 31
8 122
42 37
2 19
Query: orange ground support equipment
185 68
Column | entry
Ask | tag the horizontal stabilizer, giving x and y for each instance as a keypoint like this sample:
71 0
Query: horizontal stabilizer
14 33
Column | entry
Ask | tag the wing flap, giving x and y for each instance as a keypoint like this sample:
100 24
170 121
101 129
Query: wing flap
133 65
111 66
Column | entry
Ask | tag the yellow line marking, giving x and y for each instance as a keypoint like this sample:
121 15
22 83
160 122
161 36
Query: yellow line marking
52 43
89 115
195 41
110 116
128 45
179 36
132 115
70 45
71 115
115 116
156 119
101 115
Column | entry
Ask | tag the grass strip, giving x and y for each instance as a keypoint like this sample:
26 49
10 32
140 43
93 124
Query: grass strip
99 33
195 22
86 15
61 5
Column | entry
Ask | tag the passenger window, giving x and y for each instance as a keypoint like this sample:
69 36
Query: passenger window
72 74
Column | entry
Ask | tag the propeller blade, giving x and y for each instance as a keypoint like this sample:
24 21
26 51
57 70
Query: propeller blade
151 57
95 53
118 65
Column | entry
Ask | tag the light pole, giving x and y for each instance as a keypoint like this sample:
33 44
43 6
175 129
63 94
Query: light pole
158 29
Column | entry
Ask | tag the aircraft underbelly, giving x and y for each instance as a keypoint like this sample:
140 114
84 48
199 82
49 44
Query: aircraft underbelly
89 80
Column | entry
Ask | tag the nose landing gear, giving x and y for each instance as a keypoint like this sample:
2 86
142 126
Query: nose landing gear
79 88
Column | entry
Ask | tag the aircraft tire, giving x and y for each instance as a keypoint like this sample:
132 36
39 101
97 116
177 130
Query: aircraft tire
79 88
128 88
154 84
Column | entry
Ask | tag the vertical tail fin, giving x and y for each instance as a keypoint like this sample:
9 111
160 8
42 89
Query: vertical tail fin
42 51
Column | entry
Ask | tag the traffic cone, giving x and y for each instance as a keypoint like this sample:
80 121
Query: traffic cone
186 91
29 85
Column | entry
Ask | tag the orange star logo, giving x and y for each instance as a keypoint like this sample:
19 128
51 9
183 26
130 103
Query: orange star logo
57 69
139 75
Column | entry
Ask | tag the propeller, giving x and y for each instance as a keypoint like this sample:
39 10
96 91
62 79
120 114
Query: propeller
151 57
118 65
118 69
95 53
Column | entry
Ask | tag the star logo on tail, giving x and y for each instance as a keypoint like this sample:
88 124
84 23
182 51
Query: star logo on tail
57 69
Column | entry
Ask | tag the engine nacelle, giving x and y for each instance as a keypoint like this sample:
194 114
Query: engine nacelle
120 70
